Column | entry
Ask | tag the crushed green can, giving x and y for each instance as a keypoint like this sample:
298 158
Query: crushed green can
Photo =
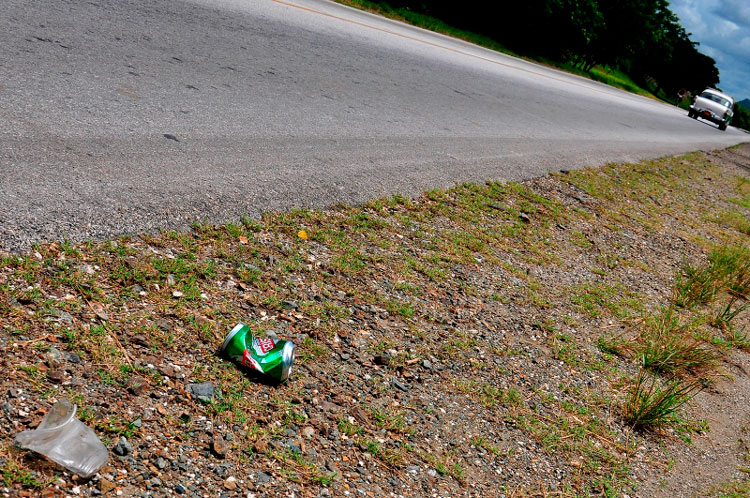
271 357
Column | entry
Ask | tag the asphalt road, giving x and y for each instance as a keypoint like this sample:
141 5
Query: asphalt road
122 116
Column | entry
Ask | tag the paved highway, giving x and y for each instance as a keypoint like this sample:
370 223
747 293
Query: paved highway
119 116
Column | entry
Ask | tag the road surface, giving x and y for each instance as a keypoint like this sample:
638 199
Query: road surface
122 116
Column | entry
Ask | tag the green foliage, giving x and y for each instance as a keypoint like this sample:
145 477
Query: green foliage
741 117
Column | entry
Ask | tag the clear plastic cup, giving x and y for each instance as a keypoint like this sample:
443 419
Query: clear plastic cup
66 440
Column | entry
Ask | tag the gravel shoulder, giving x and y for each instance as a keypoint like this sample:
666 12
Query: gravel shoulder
479 341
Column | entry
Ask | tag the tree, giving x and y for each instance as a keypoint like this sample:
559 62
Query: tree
644 38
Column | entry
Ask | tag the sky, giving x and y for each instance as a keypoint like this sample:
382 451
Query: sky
722 27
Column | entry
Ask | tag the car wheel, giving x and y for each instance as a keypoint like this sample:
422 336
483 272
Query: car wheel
690 114
723 127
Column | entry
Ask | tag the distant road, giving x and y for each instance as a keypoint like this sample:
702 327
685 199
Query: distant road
121 116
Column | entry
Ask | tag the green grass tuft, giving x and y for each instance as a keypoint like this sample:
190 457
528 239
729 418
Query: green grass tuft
652 404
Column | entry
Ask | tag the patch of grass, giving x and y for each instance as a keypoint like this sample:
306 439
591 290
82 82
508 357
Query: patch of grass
392 421
732 266
580 240
668 346
727 313
734 219
592 299
296 469
489 395
695 286
728 268
616 345
739 488
651 403
460 342
481 442
564 349
587 444
13 474
737 339
348 428
310 349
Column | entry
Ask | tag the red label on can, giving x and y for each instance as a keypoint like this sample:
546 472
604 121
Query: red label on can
249 361
263 346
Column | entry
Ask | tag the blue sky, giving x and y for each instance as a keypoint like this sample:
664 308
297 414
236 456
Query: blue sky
722 27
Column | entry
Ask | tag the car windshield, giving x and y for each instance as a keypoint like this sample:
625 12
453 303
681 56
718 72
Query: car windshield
716 98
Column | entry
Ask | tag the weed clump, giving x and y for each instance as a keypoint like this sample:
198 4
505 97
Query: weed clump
652 403
669 347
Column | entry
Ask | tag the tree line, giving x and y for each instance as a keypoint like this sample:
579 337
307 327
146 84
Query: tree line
643 38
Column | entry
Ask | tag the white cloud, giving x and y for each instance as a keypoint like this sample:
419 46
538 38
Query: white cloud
722 27
737 11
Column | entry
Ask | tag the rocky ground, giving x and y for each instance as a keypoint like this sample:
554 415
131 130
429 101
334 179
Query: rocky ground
459 344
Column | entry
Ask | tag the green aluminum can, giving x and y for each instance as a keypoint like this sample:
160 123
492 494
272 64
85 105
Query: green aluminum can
272 357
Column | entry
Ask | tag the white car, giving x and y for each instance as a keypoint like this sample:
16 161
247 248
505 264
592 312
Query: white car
714 106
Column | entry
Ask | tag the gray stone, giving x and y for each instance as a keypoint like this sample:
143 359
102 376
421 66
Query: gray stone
263 478
289 304
161 463
64 316
54 358
72 357
123 448
333 468
203 391
383 358
220 447
400 385
427 364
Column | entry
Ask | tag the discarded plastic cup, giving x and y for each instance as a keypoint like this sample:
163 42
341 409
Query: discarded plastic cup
66 440
271 357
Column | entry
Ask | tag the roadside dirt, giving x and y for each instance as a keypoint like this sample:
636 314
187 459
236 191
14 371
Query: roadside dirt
450 345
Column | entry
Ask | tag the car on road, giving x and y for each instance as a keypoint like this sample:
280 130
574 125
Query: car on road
713 105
